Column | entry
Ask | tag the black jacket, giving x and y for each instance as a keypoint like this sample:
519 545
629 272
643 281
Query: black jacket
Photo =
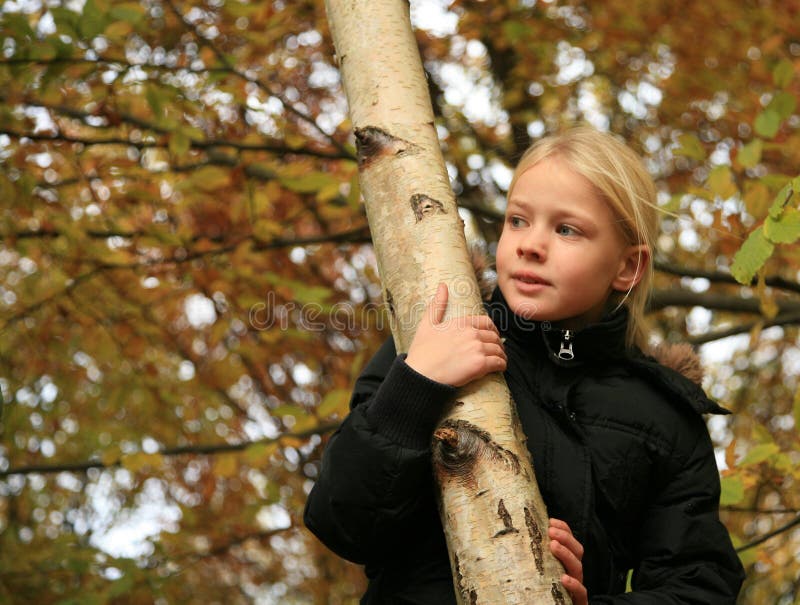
620 450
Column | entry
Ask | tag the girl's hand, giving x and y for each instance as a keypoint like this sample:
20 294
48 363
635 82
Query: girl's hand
569 552
456 351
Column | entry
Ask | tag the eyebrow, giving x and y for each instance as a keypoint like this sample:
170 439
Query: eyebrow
525 205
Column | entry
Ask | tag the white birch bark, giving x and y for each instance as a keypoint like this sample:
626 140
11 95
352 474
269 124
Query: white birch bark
494 518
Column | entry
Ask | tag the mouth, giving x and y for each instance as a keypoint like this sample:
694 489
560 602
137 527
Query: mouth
529 278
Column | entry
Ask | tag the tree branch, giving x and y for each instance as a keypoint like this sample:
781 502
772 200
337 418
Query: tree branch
204 41
709 300
183 450
205 145
722 277
780 320
358 235
769 535
225 68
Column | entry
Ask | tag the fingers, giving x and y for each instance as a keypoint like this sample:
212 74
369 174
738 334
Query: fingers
482 322
561 533
566 548
572 564
576 590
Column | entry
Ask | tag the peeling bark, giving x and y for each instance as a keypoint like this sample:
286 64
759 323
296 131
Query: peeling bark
491 509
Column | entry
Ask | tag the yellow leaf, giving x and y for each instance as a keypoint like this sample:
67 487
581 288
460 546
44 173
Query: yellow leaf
118 30
226 465
142 461
110 456
291 441
209 178
720 182
259 454
757 199
767 303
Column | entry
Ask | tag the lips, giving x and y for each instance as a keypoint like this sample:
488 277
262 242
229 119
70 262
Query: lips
529 279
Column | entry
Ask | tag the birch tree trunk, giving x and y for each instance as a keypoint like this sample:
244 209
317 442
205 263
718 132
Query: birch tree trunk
492 512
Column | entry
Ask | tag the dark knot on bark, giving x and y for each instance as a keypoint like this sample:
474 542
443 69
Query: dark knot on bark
373 143
458 445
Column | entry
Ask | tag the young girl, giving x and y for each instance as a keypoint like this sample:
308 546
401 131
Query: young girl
620 449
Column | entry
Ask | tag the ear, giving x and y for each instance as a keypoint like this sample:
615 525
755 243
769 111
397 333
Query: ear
632 267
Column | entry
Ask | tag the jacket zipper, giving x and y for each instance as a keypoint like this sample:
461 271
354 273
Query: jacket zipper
565 352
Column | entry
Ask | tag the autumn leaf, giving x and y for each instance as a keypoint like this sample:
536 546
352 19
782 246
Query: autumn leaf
732 490
767 123
750 155
689 146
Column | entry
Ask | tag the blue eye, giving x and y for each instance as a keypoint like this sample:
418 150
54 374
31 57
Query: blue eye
516 221
566 230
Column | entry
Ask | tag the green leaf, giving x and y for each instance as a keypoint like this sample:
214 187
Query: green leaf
179 143
767 123
93 21
19 25
780 201
785 229
516 30
132 12
155 98
334 402
783 104
759 453
66 21
732 491
751 257
750 155
690 147
783 74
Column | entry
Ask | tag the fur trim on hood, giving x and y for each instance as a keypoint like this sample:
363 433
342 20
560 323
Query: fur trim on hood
681 357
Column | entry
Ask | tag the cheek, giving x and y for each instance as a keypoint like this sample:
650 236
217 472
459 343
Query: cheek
505 251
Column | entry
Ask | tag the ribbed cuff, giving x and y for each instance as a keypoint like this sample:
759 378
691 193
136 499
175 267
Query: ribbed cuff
408 405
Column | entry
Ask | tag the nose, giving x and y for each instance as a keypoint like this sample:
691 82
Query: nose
532 245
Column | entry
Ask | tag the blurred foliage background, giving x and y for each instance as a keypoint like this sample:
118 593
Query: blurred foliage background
187 286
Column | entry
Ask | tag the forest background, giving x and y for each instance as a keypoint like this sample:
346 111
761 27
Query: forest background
188 290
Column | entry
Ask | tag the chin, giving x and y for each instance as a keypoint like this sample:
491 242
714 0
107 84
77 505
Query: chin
526 310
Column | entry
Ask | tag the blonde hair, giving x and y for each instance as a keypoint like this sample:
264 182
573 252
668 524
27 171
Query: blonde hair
619 175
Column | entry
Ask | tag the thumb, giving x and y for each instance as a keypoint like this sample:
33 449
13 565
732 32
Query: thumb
439 304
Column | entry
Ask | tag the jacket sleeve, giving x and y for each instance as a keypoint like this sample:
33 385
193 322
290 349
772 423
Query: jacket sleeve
376 474
685 554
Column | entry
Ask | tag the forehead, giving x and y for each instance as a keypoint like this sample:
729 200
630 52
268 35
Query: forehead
553 180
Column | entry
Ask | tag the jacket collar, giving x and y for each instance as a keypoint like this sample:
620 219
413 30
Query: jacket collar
599 342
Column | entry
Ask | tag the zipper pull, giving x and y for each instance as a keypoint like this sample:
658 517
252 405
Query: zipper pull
565 352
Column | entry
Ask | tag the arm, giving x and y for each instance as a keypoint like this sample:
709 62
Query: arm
685 554
375 488
376 474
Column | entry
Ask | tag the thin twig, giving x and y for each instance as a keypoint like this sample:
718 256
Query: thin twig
183 450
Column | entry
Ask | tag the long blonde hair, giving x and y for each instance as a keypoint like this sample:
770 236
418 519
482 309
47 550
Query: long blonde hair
618 173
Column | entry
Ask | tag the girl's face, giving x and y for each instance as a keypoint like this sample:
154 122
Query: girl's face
560 254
